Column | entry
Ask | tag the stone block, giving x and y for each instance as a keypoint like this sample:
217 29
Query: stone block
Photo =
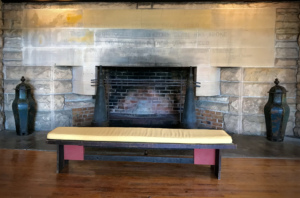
10 85
62 73
9 63
2 124
147 19
12 56
262 89
231 123
287 10
254 105
148 56
67 37
269 75
8 100
75 104
231 74
12 14
13 33
16 25
296 132
59 102
287 37
50 57
287 31
222 99
292 17
285 62
7 24
49 102
213 106
230 88
287 25
13 6
43 102
77 97
9 121
63 118
41 86
289 131
247 56
142 38
52 18
287 53
43 121
30 73
254 125
284 44
62 87
234 105
12 43
37 37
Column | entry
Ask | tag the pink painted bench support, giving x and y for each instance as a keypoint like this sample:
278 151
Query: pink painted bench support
209 157
204 154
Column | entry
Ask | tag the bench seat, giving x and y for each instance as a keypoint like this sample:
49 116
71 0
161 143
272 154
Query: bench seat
205 143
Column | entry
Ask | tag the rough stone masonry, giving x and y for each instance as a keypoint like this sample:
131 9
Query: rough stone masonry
243 90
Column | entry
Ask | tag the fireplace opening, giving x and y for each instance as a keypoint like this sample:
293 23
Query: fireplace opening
145 96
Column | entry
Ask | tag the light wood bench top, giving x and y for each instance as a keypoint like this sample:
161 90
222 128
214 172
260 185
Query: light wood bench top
147 135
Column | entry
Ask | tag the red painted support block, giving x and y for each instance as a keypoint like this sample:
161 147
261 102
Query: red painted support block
204 156
73 152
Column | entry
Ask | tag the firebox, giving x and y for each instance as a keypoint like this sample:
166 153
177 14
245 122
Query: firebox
145 96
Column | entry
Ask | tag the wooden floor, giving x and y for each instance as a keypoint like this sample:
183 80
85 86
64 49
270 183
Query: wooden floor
32 174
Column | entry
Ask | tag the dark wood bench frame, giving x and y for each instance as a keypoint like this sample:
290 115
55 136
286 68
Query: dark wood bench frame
216 165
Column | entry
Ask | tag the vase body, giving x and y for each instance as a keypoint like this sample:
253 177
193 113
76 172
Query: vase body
276 114
24 109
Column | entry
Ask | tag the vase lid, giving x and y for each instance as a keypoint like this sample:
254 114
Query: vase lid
277 88
23 85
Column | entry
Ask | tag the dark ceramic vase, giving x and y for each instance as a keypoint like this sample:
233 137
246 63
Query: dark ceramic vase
24 109
276 113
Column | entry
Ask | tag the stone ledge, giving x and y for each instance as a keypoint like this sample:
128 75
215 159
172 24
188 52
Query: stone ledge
287 37
38 72
212 106
41 86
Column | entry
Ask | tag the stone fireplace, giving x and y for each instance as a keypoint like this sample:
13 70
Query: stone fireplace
56 46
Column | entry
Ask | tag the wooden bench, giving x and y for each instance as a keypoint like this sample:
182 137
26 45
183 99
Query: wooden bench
207 144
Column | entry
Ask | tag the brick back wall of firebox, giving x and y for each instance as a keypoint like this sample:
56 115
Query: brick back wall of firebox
142 91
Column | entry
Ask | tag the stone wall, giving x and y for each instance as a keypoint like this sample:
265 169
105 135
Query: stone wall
297 115
52 86
243 90
1 73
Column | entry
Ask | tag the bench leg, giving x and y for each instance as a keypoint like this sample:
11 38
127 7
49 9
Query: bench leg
61 162
209 157
217 166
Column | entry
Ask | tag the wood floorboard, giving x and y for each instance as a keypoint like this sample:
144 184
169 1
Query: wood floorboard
32 174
